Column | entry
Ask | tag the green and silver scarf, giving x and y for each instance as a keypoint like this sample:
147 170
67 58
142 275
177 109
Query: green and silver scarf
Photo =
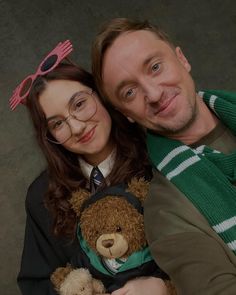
204 175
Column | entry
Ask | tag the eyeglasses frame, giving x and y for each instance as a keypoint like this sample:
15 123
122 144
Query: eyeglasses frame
62 50
74 117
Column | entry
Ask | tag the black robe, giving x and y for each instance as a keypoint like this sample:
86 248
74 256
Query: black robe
42 252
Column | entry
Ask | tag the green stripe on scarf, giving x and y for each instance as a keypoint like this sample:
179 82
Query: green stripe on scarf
204 175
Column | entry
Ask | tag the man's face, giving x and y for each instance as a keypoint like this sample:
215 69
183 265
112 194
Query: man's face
149 82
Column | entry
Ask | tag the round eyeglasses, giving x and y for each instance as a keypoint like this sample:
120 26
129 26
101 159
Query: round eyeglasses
82 107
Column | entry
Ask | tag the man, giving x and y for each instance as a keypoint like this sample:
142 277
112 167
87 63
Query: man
190 214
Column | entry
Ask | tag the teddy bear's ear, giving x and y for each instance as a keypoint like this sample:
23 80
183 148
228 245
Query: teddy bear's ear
139 187
77 199
59 275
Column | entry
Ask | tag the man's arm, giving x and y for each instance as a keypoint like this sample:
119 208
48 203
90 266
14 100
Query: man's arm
184 245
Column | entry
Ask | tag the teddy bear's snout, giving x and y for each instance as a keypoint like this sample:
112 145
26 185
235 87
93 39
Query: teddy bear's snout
108 243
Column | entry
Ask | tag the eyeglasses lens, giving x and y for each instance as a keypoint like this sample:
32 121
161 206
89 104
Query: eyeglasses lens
83 107
26 86
49 63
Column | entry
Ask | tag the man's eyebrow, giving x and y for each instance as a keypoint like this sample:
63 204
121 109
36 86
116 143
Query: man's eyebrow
150 57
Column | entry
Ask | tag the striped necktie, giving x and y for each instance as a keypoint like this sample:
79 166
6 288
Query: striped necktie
96 179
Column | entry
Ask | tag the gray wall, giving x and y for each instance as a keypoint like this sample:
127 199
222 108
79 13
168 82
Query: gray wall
206 30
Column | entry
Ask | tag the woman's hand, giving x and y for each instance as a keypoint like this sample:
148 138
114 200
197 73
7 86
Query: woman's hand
143 286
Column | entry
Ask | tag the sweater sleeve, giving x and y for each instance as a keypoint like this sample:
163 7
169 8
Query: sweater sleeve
184 245
42 252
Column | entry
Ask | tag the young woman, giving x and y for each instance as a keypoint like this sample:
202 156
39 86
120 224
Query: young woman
76 133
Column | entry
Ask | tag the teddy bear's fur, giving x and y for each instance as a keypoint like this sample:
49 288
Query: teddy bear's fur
111 226
112 220
65 280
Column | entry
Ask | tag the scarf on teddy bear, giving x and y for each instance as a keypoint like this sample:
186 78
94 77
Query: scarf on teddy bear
204 175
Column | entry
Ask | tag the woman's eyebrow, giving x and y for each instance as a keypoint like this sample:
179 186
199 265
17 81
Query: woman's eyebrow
71 99
51 118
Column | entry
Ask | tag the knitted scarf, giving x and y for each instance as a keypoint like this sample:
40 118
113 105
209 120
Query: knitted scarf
204 175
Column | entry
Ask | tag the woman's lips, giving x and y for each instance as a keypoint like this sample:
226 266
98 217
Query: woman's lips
85 138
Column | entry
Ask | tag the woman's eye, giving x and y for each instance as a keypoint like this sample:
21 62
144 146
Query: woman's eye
57 124
79 104
156 67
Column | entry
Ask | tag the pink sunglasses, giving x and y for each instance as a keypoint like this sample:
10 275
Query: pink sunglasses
47 65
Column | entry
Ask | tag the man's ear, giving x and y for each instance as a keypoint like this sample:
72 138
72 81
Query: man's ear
130 119
181 57
124 114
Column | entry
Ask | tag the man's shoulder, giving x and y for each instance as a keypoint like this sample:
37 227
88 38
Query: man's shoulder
207 94
159 179
161 190
164 195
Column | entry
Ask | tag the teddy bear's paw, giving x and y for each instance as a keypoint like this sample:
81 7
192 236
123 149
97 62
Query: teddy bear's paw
98 287
59 275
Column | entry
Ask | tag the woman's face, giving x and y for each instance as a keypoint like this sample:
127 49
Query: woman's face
90 138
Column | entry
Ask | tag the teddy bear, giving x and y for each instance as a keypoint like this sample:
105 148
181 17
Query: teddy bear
112 240
69 281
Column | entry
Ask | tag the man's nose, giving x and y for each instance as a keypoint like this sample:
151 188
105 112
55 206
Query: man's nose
152 92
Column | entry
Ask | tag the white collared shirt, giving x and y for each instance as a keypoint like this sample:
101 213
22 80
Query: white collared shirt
105 166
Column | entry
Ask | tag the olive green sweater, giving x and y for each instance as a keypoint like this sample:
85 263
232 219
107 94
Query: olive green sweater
182 241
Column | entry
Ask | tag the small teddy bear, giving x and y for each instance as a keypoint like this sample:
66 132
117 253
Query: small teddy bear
67 280
111 236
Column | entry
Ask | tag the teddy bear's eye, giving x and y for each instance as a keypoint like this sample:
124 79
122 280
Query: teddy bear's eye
118 229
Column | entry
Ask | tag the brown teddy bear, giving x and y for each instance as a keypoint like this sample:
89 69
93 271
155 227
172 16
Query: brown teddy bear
112 240
69 281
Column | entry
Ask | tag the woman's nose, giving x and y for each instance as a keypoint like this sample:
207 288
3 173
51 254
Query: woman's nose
76 126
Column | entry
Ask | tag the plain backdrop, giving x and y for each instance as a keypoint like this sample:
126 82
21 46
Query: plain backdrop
29 29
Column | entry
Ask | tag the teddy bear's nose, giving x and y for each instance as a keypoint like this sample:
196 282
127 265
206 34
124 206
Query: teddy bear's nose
108 243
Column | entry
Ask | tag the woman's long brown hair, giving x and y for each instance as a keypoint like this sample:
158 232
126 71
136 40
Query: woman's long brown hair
64 171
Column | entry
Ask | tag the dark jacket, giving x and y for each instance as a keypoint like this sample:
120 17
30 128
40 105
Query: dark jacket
42 252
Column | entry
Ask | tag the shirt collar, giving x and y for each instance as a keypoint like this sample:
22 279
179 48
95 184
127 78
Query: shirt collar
105 166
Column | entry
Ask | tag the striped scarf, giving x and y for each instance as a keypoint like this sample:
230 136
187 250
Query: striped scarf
204 175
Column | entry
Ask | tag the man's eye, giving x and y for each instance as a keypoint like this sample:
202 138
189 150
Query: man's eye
129 93
156 67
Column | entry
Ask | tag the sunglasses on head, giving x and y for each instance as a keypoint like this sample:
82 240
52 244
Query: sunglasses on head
47 65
